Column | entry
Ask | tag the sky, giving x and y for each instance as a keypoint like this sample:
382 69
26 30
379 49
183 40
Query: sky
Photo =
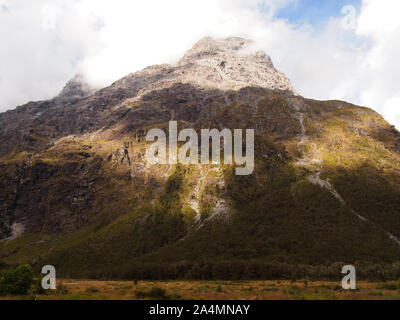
315 12
330 49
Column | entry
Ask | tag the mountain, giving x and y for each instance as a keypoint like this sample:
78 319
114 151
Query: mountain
77 192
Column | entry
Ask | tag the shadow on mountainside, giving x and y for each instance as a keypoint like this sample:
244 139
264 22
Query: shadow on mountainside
89 204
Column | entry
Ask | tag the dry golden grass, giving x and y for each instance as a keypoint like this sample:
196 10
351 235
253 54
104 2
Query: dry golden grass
221 290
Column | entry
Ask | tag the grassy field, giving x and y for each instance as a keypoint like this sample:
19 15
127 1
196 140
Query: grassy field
216 290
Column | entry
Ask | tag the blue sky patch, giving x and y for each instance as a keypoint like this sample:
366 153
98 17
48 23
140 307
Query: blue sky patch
315 12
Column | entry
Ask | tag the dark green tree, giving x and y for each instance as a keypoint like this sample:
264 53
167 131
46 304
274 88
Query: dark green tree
17 281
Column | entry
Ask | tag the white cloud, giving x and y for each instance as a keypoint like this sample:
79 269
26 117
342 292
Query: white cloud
41 44
381 69
45 42
138 34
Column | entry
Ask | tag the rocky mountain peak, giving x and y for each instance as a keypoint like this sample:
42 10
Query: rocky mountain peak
76 88
223 64
233 63
209 47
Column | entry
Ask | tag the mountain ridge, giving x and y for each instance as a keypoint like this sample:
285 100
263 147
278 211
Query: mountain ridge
76 189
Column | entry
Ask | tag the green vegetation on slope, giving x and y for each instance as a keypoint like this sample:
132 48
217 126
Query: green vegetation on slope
122 220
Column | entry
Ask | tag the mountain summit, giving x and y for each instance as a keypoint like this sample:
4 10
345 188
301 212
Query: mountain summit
231 64
77 192
224 64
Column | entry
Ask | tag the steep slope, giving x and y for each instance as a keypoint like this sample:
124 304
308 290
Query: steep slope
76 190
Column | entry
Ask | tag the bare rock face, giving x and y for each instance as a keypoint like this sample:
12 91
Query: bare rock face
76 88
231 64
